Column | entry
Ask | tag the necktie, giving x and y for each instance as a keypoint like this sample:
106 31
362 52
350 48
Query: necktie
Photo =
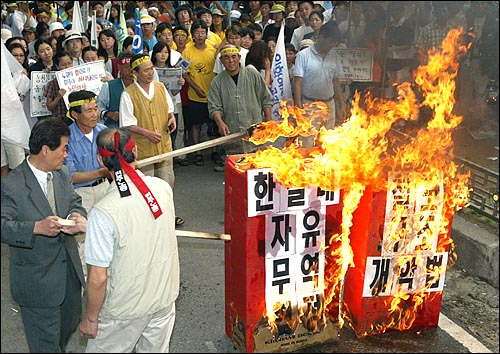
50 193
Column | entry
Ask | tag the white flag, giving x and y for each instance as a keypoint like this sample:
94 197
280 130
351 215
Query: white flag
93 32
15 127
85 15
281 88
77 22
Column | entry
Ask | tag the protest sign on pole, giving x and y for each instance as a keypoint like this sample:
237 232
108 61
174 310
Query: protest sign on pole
281 88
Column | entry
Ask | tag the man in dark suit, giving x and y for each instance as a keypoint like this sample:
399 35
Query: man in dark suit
46 275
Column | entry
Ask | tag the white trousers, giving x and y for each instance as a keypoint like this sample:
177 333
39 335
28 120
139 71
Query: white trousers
150 334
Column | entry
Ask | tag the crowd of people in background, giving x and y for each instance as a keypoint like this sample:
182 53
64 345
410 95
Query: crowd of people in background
399 34
226 55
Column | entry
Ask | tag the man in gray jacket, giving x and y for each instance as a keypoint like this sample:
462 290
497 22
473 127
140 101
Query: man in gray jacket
238 97
46 275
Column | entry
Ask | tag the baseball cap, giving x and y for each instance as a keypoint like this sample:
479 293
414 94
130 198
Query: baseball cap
277 8
11 4
29 29
306 43
147 19
217 12
235 15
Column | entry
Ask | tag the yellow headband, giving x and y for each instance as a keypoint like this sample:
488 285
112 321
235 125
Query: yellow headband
139 61
81 102
230 50
166 30
180 32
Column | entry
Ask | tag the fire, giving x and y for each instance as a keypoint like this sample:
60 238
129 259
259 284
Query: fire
364 151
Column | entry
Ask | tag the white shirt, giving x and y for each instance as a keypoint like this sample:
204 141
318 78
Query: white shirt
298 35
40 176
127 117
99 249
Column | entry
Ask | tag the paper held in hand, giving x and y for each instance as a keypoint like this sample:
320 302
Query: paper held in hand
66 222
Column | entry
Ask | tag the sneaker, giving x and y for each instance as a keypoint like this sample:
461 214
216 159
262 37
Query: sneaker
219 168
184 162
217 158
198 160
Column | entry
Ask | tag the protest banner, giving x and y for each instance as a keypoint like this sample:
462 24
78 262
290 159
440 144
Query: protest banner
38 102
82 77
356 64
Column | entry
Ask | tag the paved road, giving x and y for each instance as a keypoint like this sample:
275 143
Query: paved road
199 196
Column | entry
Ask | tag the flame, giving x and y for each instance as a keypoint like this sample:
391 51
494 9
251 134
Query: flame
364 151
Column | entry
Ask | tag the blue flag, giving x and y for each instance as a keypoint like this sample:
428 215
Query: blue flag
137 46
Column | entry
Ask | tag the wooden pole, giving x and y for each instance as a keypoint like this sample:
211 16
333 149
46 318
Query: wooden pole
205 235
192 148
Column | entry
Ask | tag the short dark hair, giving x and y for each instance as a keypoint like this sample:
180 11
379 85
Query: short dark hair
181 8
181 28
198 24
161 27
59 55
125 53
128 41
77 96
331 30
106 140
89 48
202 11
246 30
255 27
290 47
233 30
48 131
137 56
269 3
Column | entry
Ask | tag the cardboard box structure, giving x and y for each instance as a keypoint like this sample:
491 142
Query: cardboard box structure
276 252
398 278
280 261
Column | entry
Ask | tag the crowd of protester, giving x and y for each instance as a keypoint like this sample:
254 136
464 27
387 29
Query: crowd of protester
226 83
398 33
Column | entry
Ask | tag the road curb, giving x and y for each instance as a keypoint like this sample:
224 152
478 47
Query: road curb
477 249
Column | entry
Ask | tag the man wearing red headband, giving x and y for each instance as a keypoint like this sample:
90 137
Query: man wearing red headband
133 256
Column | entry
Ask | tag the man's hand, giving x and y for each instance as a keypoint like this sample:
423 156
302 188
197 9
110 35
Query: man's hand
88 328
113 115
172 125
49 226
223 128
79 227
154 137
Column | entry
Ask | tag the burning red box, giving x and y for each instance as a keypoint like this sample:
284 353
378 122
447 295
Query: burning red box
245 272
383 272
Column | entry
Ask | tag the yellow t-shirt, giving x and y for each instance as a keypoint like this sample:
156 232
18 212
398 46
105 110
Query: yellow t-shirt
201 69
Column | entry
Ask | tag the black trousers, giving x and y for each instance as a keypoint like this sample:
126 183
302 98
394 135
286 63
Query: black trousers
49 329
